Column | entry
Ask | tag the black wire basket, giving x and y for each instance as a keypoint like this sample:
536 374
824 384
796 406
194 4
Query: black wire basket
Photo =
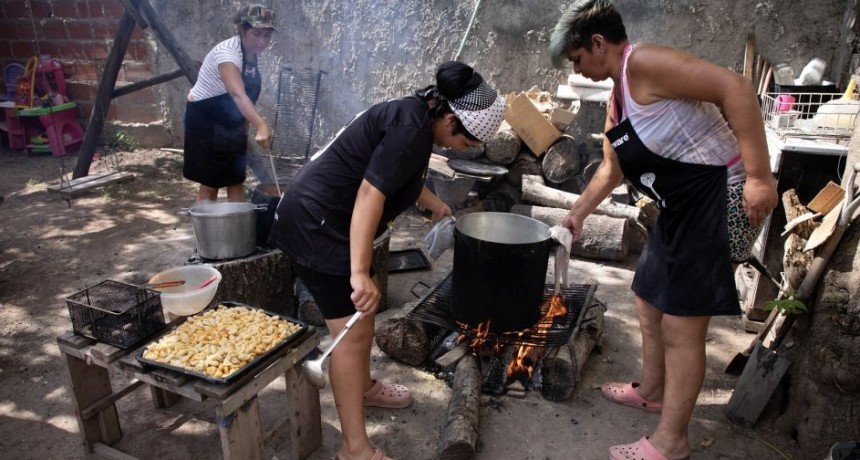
116 313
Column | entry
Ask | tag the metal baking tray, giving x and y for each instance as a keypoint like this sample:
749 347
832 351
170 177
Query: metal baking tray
407 259
280 346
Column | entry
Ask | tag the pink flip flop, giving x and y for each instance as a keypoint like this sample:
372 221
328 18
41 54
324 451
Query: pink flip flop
639 450
626 394
388 395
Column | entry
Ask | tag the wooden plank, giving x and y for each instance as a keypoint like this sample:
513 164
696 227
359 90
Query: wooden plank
241 434
162 398
822 232
111 453
76 190
827 199
74 341
303 414
138 85
749 56
89 384
106 353
96 407
187 390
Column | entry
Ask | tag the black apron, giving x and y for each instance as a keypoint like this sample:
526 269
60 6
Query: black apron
216 135
685 268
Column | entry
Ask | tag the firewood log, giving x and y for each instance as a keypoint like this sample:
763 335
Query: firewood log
562 160
464 412
503 147
526 163
404 339
536 192
587 337
557 371
603 237
795 260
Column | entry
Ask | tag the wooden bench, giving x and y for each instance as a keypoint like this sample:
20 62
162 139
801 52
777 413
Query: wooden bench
237 412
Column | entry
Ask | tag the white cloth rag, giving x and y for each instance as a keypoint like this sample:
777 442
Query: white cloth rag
440 237
562 255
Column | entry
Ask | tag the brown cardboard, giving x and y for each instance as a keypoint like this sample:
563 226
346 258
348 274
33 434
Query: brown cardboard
561 118
532 127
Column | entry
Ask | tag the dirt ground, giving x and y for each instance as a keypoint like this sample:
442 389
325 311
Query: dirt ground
52 248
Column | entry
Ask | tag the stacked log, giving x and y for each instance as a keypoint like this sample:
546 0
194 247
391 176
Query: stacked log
535 191
504 147
603 237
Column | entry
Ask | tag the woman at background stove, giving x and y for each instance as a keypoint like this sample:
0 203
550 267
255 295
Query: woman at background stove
345 196
221 106
711 177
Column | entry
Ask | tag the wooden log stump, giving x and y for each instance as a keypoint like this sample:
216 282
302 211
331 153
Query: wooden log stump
525 164
464 412
562 160
536 192
588 337
795 260
261 280
503 147
557 370
603 237
404 339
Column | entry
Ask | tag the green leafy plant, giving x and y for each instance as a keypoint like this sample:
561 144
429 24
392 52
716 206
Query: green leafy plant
789 305
122 140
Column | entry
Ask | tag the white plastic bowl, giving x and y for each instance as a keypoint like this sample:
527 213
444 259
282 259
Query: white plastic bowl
188 298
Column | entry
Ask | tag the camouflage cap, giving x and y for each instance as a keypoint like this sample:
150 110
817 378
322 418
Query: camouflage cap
259 16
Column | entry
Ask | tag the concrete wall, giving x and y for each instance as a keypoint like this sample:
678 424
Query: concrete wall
376 49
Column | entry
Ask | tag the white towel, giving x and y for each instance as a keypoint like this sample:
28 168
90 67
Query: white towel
562 254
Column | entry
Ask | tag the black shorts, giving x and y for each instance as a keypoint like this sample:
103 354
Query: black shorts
331 292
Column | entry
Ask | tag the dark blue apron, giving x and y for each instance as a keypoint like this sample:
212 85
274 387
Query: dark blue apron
685 268
216 135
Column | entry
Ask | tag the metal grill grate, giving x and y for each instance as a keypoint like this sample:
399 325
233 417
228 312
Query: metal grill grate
435 308
295 112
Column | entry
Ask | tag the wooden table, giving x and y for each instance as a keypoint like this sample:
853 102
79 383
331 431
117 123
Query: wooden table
237 412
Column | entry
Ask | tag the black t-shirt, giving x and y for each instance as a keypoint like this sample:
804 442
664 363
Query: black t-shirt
389 145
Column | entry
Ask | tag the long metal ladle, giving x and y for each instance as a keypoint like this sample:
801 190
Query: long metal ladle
313 369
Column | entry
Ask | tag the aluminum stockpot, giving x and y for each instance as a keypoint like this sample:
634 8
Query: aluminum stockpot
224 230
500 266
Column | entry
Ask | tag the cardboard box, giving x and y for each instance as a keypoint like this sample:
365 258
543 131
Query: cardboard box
561 118
532 127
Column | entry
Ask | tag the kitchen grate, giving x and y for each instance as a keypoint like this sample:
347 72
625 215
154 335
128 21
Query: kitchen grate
295 112
116 313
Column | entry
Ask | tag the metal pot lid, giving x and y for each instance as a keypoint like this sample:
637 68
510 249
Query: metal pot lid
476 168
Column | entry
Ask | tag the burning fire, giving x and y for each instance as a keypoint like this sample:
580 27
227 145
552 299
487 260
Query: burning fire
527 355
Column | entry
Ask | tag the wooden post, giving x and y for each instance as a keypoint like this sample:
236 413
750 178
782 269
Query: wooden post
107 82
303 414
103 97
241 437
89 384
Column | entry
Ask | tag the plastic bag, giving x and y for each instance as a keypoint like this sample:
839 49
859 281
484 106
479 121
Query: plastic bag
440 237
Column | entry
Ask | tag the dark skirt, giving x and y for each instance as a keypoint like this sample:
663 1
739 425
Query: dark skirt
216 142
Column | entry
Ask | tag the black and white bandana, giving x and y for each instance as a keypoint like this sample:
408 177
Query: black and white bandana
481 111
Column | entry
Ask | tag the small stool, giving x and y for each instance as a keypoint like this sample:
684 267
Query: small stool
61 128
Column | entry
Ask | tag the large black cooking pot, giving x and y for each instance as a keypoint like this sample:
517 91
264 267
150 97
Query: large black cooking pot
500 265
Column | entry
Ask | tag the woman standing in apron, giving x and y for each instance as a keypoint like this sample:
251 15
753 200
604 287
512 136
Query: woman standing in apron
710 175
221 105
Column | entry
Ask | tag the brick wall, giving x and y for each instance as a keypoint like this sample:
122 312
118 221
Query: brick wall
78 34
